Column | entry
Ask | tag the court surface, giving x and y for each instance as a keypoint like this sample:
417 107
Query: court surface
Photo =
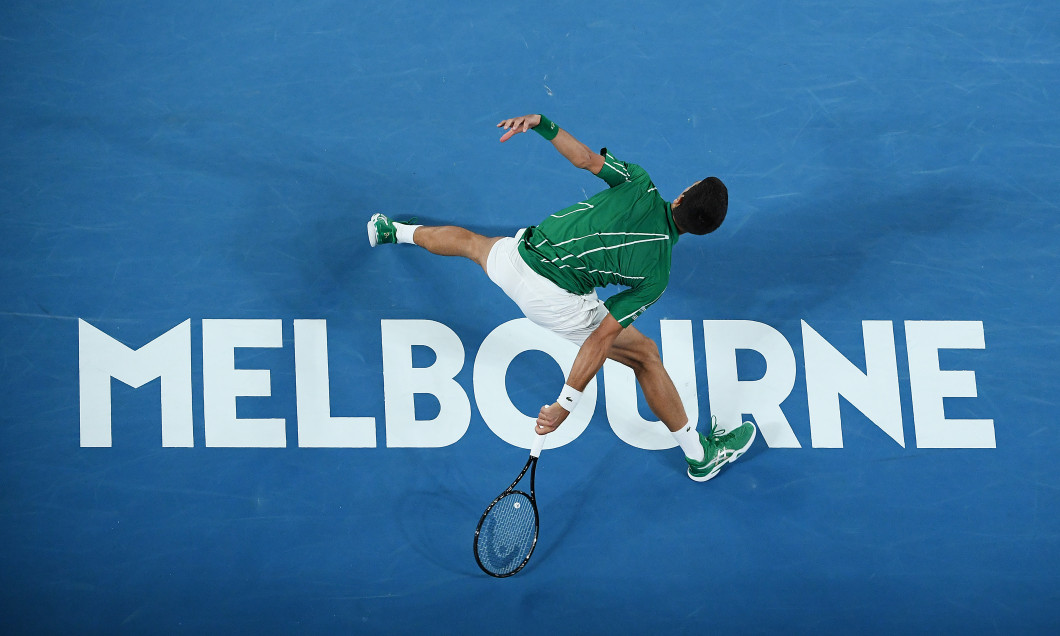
196 176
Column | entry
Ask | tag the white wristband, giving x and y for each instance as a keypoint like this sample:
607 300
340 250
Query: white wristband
569 398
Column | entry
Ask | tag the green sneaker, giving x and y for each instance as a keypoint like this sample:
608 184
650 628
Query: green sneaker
720 448
381 230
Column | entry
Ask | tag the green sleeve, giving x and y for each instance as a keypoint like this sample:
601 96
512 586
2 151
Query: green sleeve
616 172
627 305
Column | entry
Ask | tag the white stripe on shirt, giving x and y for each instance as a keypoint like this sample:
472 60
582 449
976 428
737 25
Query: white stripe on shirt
578 238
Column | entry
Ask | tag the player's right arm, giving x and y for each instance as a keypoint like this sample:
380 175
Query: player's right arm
587 363
575 151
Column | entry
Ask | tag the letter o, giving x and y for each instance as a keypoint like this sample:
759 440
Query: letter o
497 352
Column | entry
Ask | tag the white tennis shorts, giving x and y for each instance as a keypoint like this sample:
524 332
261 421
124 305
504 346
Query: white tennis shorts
571 316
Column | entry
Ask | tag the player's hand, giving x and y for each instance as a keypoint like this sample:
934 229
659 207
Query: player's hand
549 418
518 125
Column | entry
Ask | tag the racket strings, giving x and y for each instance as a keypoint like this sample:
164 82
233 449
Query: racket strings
506 538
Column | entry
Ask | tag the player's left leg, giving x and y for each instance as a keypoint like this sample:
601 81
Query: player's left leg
446 240
450 240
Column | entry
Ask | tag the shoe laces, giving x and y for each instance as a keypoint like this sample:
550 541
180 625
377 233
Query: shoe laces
715 432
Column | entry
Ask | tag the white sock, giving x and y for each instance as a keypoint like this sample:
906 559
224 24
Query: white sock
404 232
688 438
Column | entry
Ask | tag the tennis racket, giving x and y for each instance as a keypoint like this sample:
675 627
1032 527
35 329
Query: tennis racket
507 532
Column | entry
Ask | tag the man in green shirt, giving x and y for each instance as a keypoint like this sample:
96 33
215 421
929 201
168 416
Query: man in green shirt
624 236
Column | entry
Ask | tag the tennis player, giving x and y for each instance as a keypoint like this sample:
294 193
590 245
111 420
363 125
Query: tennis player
623 236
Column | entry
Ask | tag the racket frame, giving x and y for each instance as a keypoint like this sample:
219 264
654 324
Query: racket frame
531 465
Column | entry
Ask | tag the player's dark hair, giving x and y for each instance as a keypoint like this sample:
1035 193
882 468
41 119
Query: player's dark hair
702 207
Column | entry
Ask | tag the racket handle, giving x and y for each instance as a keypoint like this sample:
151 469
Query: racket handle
539 443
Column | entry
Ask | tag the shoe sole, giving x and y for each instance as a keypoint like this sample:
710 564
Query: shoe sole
730 459
711 475
373 235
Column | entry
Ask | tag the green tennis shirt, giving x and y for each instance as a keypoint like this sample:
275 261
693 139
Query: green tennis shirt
621 236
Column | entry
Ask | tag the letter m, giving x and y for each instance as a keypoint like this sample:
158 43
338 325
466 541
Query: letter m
102 358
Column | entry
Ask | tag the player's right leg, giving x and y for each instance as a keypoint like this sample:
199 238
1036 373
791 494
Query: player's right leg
446 240
640 353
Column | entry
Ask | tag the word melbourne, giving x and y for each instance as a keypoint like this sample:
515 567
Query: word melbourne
829 375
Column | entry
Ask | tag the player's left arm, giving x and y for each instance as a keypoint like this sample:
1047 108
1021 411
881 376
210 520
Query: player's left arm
580 155
590 358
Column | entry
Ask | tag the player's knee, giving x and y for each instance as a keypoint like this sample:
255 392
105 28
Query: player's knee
651 353
480 250
645 354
